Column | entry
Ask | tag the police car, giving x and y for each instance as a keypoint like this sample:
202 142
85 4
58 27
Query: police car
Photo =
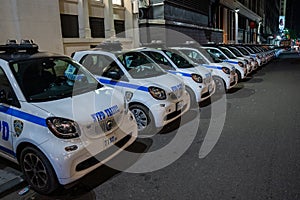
228 57
56 120
224 74
158 97
198 79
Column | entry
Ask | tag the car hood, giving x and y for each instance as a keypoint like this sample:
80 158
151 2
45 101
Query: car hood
86 108
166 82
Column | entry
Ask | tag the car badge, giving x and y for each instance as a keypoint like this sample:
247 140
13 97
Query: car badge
18 126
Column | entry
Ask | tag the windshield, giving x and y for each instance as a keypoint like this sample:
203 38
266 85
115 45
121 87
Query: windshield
178 60
159 59
244 51
236 52
228 53
194 55
139 66
52 78
250 49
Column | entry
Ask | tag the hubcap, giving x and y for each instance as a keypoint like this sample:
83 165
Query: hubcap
141 118
35 170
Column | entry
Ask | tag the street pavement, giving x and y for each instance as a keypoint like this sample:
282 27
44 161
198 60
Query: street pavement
257 155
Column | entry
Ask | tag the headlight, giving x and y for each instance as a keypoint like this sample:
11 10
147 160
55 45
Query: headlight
63 128
240 64
157 93
226 70
197 78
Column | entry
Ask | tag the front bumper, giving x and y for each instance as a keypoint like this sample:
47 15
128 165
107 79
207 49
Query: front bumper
90 153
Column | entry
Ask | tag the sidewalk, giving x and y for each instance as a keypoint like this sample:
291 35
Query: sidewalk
10 178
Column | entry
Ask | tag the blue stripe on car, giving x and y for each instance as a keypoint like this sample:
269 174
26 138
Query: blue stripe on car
6 150
23 115
182 73
233 62
123 84
212 67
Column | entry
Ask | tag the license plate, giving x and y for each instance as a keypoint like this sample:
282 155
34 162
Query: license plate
179 105
109 140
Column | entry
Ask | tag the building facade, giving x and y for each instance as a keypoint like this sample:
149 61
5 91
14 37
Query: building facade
219 21
64 26
193 18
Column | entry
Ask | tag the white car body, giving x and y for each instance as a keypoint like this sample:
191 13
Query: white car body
238 64
200 56
201 91
246 52
164 111
43 120
253 63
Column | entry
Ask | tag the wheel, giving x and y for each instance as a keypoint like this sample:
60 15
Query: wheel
38 171
220 85
239 75
144 119
193 102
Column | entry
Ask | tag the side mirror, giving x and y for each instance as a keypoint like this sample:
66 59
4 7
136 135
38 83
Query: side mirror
3 98
113 75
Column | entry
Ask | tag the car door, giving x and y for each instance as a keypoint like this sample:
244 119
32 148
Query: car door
6 106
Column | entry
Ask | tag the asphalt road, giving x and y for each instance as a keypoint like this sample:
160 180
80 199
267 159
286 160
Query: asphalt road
257 155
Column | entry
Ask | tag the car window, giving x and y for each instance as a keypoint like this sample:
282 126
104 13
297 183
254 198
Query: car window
227 53
217 53
7 95
178 60
159 59
46 79
194 55
235 51
101 65
139 65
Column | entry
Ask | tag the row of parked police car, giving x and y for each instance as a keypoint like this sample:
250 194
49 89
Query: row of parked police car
60 120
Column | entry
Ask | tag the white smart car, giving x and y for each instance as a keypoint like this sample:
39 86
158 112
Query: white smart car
56 120
158 97
198 79
224 74
226 56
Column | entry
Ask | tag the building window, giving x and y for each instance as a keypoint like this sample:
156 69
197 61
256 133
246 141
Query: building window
120 28
69 26
97 27
118 2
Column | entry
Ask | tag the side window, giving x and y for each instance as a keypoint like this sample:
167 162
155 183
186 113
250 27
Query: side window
196 57
7 94
113 68
160 59
101 65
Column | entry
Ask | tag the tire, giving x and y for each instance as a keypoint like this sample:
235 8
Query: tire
38 171
239 76
193 102
144 119
220 85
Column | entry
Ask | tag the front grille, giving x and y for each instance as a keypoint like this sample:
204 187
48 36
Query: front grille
175 114
206 94
103 155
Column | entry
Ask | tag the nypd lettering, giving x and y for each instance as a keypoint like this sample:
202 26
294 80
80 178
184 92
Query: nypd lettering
177 87
4 129
101 115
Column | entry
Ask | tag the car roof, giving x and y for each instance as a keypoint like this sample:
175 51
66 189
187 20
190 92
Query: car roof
17 52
